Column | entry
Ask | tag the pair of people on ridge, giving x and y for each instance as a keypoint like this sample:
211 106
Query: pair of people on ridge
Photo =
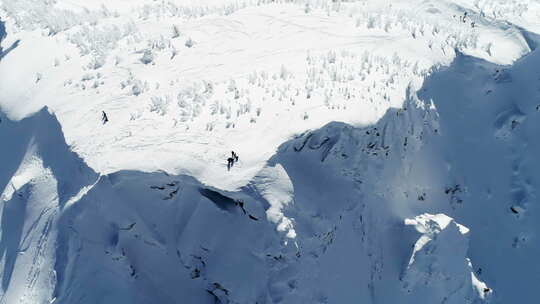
231 160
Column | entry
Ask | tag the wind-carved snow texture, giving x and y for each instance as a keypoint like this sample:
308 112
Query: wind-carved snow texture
394 126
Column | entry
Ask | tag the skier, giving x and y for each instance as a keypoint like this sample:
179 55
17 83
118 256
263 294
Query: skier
230 163
234 156
104 118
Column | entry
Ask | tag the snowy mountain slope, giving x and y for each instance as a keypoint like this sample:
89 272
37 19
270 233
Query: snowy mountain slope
498 128
423 192
39 175
136 237
251 68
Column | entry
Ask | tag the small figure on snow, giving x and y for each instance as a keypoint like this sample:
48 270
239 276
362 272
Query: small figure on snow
104 117
231 160
230 163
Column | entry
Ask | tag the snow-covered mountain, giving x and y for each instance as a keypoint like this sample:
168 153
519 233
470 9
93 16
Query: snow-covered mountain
387 151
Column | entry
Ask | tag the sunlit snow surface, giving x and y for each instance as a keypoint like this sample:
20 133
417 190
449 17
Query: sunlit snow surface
254 76
387 151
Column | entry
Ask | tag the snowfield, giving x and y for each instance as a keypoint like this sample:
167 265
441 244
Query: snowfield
387 151
180 107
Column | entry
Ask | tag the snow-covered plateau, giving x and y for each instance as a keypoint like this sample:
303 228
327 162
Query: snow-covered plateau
388 151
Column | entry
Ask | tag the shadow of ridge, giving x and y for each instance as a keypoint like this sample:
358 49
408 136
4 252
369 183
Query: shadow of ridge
3 35
221 201
16 138
121 185
2 30
531 38
474 107
12 224
70 170
43 131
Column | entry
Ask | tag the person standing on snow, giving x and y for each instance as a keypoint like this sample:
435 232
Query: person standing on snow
231 160
104 117
230 163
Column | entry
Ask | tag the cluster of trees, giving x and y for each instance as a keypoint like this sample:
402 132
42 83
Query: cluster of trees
42 14
335 78
440 35
502 9
344 77
172 9
98 41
